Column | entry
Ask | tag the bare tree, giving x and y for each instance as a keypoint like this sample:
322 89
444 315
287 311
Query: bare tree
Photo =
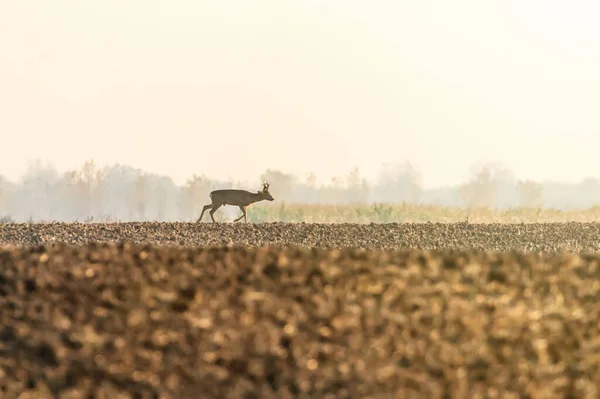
398 182
481 191
358 189
530 194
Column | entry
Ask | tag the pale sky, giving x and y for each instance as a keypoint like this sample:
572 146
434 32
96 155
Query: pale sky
230 88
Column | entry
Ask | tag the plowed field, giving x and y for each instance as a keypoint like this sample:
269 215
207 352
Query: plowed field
490 237
125 317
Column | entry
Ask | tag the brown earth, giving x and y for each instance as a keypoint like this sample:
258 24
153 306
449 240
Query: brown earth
126 320
491 237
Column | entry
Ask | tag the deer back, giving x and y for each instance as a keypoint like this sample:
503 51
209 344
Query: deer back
233 197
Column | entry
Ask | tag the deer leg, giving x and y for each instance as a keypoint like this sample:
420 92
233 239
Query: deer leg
243 214
212 211
204 209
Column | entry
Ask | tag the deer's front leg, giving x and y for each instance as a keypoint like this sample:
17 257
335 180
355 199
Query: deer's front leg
243 215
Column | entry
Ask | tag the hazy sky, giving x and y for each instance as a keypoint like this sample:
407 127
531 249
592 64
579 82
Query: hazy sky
230 88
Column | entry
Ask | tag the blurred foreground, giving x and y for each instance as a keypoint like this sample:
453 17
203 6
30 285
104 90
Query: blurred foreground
133 321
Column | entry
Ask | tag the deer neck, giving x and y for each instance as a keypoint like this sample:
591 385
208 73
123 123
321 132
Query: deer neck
256 197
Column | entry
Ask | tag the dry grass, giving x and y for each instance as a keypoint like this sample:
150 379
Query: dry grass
402 213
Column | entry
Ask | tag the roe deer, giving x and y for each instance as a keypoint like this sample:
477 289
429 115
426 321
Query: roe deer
241 198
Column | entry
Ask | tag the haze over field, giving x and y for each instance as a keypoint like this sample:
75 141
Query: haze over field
229 89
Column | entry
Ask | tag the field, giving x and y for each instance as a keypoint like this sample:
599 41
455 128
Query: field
530 237
280 310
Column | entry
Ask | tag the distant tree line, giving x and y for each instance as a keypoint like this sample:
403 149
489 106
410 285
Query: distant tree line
120 192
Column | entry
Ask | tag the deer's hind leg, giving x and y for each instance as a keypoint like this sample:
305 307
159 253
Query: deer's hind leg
204 209
213 210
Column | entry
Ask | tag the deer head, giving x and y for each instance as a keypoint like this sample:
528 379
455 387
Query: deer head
265 192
